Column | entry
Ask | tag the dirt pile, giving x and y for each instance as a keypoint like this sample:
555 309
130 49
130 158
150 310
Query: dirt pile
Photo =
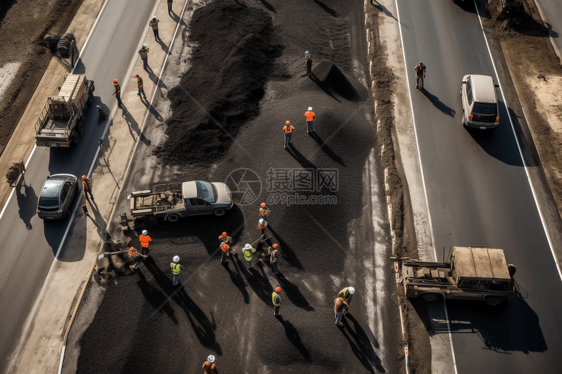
513 22
235 48
113 263
330 75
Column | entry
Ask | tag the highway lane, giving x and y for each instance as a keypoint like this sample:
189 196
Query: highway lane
30 244
478 194
551 13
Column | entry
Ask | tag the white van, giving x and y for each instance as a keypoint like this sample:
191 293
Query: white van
479 102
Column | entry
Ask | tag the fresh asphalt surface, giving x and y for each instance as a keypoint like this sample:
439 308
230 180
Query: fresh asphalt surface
29 244
551 10
479 194
224 309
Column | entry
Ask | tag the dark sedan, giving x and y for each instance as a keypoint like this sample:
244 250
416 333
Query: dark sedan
56 196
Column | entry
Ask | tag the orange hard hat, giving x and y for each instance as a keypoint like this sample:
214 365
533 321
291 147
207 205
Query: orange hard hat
275 245
278 289
137 75
115 81
288 122
224 233
84 177
263 205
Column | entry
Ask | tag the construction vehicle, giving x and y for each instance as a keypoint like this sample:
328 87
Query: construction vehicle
61 123
470 273
176 200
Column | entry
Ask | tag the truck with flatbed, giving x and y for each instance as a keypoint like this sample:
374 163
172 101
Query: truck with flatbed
469 273
176 200
61 123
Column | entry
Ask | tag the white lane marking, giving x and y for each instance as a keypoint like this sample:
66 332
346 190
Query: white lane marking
519 148
421 169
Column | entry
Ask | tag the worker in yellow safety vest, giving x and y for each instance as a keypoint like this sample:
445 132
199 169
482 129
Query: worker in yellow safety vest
154 24
143 52
276 301
248 250
176 269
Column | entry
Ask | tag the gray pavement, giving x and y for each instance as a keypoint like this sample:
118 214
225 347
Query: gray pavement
551 13
30 245
479 194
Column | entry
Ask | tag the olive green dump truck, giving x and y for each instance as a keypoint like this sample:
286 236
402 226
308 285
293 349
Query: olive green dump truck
470 273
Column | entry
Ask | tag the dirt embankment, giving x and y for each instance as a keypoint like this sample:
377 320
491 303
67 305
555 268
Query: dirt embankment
225 83
22 29
537 74
417 336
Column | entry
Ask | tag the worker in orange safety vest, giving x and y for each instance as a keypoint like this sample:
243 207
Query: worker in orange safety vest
87 187
117 92
264 211
262 225
145 240
288 132
140 86
309 120
135 257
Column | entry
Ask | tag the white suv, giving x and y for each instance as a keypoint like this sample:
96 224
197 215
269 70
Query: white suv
479 102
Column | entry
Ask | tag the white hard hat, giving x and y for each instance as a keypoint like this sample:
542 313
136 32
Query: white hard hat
351 290
144 232
262 221
211 359
153 17
307 52
144 45
309 108
176 258
247 246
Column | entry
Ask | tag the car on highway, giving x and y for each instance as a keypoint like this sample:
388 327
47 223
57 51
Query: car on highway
480 108
56 196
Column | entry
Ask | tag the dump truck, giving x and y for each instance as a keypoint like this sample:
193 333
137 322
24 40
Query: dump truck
61 123
469 273
176 200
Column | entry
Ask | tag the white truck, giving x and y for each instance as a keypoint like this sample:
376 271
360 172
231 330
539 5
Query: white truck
61 123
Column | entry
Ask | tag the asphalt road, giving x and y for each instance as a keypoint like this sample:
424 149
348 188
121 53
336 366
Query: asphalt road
30 245
479 194
226 310
551 12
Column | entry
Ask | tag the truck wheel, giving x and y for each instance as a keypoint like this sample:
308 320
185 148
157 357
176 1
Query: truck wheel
494 300
80 128
173 218
429 297
219 212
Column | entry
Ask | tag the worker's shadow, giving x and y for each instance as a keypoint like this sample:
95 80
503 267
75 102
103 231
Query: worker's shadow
27 204
258 281
237 279
153 111
131 123
361 345
303 161
156 298
326 149
97 219
286 252
163 45
294 294
438 103
202 326
323 86
295 339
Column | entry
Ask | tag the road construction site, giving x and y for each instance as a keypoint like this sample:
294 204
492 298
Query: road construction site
370 199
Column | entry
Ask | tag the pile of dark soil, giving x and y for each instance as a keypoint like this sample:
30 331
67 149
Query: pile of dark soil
22 29
115 262
330 75
236 48
517 23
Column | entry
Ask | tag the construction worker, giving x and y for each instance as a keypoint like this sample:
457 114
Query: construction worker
140 85
87 187
288 131
262 225
209 366
224 238
145 240
308 59
273 253
117 92
309 120
347 294
420 75
143 52
276 301
135 258
176 269
154 24
225 252
340 307
248 250
264 211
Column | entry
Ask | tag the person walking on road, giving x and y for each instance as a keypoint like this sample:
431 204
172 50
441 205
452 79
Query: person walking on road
308 59
262 225
347 293
209 366
420 75
340 307
225 242
117 93
145 241
309 120
248 251
154 24
276 301
143 52
87 187
288 131
176 269
140 85
136 258
273 253
264 211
